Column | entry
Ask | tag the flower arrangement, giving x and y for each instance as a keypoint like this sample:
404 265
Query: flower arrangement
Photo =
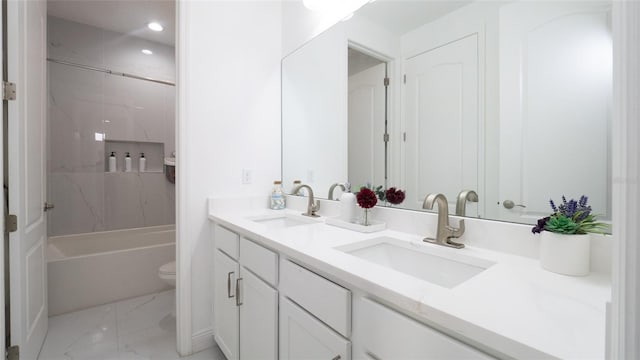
394 196
391 195
570 217
366 199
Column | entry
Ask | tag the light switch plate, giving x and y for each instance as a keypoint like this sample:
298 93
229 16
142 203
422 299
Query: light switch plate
247 176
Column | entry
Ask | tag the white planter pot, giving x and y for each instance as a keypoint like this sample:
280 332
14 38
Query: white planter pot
565 254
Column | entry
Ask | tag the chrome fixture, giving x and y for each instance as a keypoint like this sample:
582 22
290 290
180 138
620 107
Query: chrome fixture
311 207
509 204
463 197
344 187
444 232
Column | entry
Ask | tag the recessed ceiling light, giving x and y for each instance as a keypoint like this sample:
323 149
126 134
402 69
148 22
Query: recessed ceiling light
147 51
155 26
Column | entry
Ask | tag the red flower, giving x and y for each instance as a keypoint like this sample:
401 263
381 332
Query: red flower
394 196
366 198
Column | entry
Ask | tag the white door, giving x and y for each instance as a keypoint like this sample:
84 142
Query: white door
258 318
366 126
441 109
225 309
302 336
27 22
555 106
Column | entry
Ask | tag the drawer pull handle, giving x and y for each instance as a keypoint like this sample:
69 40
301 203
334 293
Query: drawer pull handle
229 294
337 357
371 356
238 299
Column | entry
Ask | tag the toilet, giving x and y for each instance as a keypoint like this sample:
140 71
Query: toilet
167 273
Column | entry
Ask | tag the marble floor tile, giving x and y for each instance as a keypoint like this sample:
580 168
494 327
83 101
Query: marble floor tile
84 334
139 328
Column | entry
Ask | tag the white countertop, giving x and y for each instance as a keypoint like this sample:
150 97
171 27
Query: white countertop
515 308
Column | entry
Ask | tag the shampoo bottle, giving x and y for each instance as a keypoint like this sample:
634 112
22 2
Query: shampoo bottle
127 163
142 163
112 162
277 196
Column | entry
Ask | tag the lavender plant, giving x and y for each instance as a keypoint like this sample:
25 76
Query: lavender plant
571 217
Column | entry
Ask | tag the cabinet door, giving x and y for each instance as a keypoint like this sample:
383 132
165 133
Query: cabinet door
304 337
225 311
258 318
385 334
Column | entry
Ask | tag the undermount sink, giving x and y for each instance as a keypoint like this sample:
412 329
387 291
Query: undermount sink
438 266
281 221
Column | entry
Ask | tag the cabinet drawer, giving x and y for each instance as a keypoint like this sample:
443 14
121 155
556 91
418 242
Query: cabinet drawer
304 337
227 241
386 334
262 261
327 301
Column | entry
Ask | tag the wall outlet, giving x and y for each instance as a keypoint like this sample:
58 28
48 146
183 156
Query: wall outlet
247 176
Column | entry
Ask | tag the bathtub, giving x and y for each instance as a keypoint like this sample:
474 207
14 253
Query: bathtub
86 270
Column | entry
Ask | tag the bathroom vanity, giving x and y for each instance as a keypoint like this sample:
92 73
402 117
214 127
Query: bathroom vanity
289 287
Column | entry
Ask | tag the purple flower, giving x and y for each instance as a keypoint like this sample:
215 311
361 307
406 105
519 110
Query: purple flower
540 226
366 198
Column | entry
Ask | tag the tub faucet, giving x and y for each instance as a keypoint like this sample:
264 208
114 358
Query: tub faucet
311 207
344 188
463 197
444 232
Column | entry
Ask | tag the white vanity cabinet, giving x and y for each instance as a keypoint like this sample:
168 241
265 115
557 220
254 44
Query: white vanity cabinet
315 316
245 305
384 334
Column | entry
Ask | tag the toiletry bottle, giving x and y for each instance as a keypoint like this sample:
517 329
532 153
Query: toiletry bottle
142 163
277 196
127 163
112 162
348 206
297 183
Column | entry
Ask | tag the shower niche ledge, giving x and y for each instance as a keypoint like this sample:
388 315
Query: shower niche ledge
153 152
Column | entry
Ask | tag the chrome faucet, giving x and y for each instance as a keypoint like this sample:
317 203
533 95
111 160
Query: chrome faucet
344 188
311 207
444 233
463 197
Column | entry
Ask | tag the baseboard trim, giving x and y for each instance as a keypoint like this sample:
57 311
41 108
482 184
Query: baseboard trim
202 339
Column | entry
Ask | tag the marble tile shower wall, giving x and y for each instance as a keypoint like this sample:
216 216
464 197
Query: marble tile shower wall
87 107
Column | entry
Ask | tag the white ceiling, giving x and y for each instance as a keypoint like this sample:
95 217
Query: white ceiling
123 16
402 16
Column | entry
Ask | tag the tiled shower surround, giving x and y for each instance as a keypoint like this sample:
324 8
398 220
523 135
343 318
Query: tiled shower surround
85 108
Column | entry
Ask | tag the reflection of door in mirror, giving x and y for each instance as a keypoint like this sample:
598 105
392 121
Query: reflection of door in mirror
555 106
441 109
367 120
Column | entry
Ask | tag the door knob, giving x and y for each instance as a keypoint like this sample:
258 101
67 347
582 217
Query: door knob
48 206
509 204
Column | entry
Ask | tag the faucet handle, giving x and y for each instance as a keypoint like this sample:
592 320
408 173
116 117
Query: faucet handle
457 232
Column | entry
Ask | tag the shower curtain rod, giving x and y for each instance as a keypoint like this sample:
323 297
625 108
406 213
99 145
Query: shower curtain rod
107 71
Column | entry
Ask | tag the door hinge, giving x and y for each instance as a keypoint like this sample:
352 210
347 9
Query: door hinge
11 223
385 138
404 78
13 352
386 81
8 90
404 136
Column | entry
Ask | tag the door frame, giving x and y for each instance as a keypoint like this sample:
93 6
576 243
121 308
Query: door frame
624 314
5 237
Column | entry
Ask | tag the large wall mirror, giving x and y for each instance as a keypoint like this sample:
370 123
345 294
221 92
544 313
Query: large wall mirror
510 100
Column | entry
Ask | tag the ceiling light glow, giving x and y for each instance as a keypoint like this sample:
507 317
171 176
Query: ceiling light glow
147 51
155 26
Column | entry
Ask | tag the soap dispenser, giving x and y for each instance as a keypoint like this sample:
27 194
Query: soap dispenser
277 196
142 163
112 162
348 206
127 163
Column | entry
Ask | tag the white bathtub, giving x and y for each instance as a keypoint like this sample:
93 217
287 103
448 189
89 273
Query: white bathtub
86 270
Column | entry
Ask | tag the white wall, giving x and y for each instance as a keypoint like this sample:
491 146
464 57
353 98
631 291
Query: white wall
229 118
